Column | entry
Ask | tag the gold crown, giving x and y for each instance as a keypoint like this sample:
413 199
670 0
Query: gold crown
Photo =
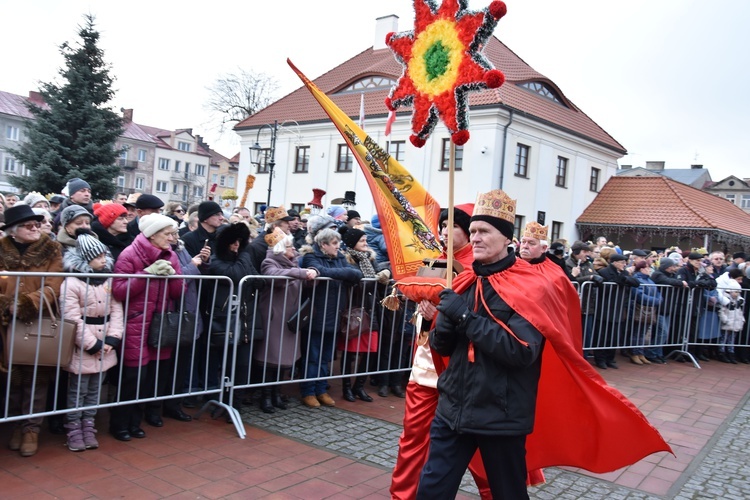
535 230
276 236
496 204
275 213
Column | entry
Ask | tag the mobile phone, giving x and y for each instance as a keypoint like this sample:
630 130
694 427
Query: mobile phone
205 243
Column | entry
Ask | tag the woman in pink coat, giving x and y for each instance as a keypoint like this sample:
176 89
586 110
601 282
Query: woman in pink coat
150 254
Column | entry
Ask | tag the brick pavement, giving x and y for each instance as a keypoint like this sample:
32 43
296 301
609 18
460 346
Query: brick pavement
347 452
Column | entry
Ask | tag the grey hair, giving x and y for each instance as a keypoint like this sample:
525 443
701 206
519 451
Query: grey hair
327 235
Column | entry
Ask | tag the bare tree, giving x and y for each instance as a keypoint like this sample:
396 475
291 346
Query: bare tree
235 96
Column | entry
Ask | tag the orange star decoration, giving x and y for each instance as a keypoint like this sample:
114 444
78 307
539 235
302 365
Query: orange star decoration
443 61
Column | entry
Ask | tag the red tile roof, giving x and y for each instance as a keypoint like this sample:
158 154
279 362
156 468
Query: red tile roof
660 202
14 105
300 105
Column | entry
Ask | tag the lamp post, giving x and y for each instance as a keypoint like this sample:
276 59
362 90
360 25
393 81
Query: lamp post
256 153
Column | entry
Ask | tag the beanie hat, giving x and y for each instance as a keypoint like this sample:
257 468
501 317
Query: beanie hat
335 211
353 214
675 257
151 224
208 208
461 216
665 263
33 198
108 213
375 221
72 212
89 245
350 236
318 222
76 184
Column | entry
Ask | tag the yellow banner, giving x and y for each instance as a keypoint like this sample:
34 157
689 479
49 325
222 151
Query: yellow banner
408 213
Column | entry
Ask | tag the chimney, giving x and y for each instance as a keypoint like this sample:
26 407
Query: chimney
696 166
127 114
655 165
626 167
383 26
36 97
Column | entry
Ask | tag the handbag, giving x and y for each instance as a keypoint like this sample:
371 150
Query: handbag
644 314
299 321
354 321
246 333
169 328
53 338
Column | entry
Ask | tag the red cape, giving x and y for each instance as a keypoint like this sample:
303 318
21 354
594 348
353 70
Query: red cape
580 420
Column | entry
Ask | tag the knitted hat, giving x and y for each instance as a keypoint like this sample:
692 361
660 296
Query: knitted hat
72 212
76 184
108 213
151 224
43 212
665 263
497 209
317 222
350 236
335 211
88 245
353 214
148 201
461 216
208 208
33 198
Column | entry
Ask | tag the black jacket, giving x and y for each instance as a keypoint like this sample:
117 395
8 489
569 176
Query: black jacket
116 244
495 394
194 240
614 294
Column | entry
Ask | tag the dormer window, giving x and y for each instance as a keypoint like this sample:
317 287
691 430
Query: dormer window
543 90
369 83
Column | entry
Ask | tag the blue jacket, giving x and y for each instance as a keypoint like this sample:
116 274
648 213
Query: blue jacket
648 295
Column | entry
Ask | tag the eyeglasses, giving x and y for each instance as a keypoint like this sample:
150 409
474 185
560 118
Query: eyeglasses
29 226
180 211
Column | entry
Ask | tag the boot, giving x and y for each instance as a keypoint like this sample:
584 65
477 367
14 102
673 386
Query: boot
89 434
29 444
359 389
644 360
636 360
266 404
732 358
346 387
383 391
75 436
276 398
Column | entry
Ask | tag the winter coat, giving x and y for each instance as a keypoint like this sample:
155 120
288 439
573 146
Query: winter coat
590 291
698 282
194 240
190 300
613 298
329 296
146 297
708 320
731 316
671 294
278 301
42 256
647 294
367 295
376 241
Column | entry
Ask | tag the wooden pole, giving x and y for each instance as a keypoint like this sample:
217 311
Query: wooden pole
449 249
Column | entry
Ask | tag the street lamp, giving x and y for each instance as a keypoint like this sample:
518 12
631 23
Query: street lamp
256 153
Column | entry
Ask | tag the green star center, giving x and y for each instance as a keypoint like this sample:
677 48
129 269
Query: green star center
436 60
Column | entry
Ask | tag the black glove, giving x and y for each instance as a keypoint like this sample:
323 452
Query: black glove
730 306
452 306
740 302
598 280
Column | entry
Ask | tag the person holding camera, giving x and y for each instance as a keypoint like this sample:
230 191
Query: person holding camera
581 268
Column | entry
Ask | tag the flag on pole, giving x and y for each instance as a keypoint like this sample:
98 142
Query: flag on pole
362 111
389 122
408 213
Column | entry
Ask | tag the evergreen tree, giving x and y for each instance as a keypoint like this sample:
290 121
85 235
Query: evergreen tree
75 134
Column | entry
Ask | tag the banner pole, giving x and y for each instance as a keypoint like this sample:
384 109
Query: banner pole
449 249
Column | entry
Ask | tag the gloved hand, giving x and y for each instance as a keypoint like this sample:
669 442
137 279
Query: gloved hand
731 306
452 306
741 302
598 280
160 268
383 276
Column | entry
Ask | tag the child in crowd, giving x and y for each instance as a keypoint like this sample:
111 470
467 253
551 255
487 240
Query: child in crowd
89 303
732 321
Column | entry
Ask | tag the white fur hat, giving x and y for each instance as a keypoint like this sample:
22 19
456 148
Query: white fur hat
151 224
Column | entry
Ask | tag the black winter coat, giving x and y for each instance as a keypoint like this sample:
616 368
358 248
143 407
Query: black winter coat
613 299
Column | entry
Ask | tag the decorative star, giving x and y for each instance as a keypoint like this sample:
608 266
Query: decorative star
443 61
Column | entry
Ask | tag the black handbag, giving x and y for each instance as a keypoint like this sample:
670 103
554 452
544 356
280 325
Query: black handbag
247 332
169 328
299 321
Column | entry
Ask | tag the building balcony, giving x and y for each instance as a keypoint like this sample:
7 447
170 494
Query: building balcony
182 177
127 164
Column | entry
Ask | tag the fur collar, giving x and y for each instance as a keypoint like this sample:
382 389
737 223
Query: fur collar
39 254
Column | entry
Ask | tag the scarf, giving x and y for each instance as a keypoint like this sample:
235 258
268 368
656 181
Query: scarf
363 260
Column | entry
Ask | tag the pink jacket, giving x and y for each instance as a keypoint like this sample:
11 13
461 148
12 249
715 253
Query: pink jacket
92 301
133 260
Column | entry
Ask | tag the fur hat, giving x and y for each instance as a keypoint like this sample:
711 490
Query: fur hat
317 222
461 216
228 234
108 213
151 224
33 198
76 184
350 236
72 212
208 208
89 245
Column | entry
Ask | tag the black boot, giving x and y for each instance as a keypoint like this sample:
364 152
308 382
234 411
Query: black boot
266 404
276 399
346 386
359 389
732 358
723 358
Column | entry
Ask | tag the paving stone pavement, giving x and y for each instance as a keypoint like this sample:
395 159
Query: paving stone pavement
722 470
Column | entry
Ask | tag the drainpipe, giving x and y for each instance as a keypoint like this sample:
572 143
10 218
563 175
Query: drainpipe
505 141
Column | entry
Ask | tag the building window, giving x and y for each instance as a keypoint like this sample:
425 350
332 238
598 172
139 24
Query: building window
200 170
396 149
344 163
745 201
141 155
161 186
445 163
302 162
731 198
518 226
11 133
198 191
139 181
370 83
297 206
124 153
121 181
522 160
543 90
183 146
556 230
175 188
594 181
562 172
10 165
163 164
230 181
187 167
265 157
177 165
222 180
214 178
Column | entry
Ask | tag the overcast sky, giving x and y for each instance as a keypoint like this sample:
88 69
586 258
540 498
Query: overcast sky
668 79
